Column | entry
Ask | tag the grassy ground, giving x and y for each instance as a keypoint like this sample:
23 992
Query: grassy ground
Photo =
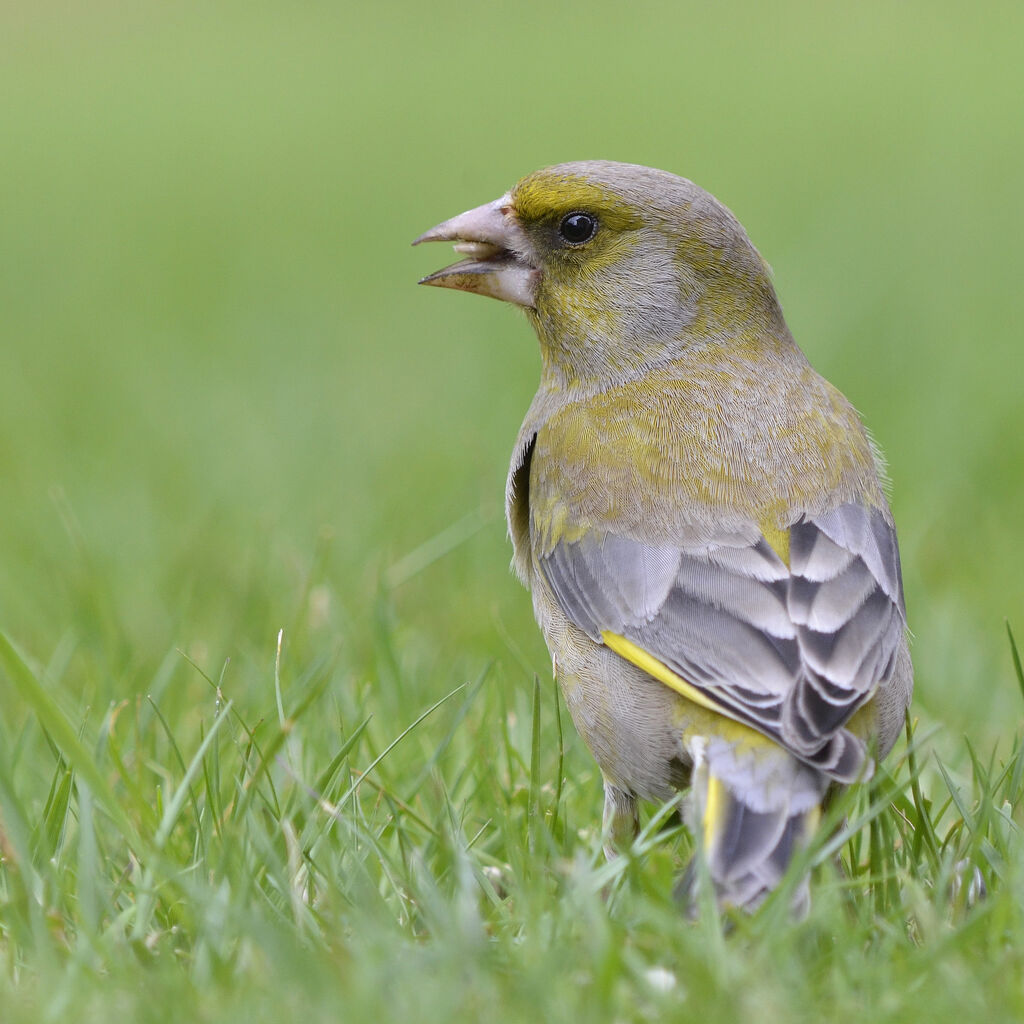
226 412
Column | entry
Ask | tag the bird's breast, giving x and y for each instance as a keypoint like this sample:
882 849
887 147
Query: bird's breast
682 446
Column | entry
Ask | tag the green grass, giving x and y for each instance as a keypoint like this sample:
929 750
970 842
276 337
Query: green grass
298 858
226 412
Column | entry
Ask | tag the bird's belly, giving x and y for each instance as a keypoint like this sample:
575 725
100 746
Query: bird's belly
633 725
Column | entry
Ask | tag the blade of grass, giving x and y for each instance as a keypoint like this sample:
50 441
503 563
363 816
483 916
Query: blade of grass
533 813
57 725
184 770
561 756
457 719
924 831
183 790
146 897
350 792
1017 667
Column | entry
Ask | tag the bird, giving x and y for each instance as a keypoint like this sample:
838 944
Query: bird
700 517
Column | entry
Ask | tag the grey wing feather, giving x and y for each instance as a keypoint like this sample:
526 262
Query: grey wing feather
762 604
793 651
644 577
720 651
868 534
846 599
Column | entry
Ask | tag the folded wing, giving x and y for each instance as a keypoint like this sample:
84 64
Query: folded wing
791 650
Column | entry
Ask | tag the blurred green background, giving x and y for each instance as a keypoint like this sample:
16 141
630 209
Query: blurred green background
226 408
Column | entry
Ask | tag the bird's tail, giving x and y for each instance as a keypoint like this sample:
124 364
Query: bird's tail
754 806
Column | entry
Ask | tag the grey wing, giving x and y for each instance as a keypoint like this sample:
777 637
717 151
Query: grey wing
846 601
791 650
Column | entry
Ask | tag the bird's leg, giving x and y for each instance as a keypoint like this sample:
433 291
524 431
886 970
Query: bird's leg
621 822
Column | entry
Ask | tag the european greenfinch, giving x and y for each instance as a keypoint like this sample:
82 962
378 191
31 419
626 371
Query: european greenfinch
697 513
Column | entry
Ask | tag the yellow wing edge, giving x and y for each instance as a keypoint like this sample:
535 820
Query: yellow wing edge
659 670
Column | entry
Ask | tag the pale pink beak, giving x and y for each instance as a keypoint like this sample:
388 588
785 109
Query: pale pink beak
498 260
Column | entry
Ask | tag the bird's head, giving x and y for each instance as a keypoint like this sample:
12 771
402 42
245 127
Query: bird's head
619 267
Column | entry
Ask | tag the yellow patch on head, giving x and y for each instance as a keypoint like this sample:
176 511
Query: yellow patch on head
545 197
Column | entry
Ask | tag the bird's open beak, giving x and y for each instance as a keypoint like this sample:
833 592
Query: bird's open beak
497 254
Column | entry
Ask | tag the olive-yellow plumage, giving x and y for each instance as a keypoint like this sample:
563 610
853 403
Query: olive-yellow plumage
697 513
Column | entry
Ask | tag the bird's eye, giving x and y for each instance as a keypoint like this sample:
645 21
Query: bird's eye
577 228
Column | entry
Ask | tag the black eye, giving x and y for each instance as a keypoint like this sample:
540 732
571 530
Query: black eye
577 228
